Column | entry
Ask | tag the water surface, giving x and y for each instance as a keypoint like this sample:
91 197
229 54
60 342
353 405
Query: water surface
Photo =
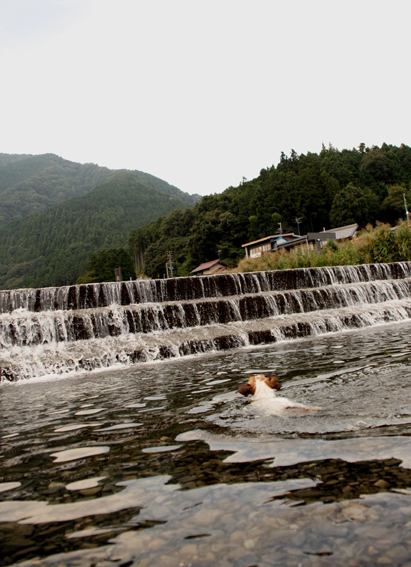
166 464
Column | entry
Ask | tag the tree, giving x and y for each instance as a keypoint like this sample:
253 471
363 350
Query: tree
350 205
277 218
376 166
393 206
102 265
254 228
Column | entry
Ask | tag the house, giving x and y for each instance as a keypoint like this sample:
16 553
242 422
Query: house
259 247
209 268
319 239
312 240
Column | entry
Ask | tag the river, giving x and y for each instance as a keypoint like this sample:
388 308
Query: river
164 463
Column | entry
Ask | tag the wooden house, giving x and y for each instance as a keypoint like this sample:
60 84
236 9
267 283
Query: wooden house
268 244
209 268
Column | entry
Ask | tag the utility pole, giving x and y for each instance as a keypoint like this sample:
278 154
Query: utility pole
407 214
298 220
169 264
281 227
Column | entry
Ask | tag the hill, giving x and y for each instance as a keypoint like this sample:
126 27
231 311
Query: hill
52 247
30 184
10 158
34 183
329 189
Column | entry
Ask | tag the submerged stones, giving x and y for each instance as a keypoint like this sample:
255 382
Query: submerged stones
194 504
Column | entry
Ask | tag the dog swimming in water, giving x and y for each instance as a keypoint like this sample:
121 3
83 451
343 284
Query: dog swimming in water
264 388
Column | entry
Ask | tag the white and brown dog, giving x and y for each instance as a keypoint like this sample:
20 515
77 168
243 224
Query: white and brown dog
263 388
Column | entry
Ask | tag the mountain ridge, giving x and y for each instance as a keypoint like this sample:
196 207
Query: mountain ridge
33 183
52 247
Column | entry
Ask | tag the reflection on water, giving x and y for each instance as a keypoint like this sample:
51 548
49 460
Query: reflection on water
79 453
166 464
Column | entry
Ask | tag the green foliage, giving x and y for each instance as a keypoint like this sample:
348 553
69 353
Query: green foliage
34 183
52 248
330 189
102 266
276 222
30 184
349 206
403 239
393 205
374 245
386 245
10 158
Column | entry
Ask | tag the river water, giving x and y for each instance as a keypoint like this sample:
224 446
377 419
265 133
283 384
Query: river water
165 464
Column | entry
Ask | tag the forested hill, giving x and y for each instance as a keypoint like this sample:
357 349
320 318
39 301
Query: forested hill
30 184
52 247
34 183
329 189
10 158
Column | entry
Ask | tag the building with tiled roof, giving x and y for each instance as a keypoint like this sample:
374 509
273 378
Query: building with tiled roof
208 268
259 247
312 240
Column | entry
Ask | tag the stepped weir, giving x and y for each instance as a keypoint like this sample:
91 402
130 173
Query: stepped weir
76 328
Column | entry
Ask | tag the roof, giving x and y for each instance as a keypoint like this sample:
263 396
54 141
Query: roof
291 243
206 266
340 228
220 269
269 238
347 231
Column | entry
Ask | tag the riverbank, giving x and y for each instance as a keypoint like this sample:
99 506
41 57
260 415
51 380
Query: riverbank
372 245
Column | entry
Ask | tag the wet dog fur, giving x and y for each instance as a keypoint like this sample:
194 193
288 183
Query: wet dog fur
250 388
273 383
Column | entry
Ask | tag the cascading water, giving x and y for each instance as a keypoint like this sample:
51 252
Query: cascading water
75 328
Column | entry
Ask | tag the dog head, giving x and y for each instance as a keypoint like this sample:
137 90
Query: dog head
249 389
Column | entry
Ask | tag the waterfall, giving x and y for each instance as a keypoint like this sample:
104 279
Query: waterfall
76 328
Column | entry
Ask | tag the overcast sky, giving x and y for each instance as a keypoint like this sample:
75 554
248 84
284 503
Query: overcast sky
201 93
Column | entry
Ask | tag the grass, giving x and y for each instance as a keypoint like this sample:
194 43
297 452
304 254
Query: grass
373 245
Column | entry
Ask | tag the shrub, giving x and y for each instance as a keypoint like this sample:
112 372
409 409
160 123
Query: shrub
374 245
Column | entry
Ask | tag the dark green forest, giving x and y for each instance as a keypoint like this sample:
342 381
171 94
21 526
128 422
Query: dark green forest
102 266
34 183
52 248
10 158
329 189
59 244
30 184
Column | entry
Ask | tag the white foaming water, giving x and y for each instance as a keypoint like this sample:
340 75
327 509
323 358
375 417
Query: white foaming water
118 351
113 325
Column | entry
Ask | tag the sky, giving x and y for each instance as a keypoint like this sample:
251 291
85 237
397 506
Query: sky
202 93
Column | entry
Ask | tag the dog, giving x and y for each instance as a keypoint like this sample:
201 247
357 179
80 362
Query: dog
263 388
260 387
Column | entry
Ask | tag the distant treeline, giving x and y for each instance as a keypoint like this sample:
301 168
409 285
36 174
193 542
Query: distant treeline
325 190
53 248
30 184
61 243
